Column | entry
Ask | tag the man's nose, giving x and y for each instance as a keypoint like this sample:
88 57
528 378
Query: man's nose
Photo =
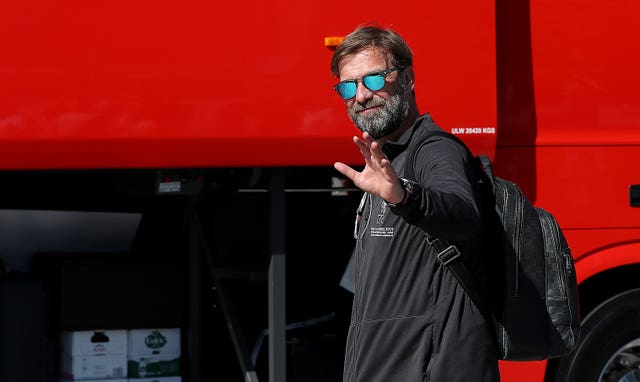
362 93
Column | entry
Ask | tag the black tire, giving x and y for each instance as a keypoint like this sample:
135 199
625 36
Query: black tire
606 331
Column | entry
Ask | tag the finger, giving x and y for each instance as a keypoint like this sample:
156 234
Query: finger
345 170
378 156
388 170
376 150
367 138
364 148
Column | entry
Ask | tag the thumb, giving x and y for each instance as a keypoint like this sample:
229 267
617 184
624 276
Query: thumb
345 170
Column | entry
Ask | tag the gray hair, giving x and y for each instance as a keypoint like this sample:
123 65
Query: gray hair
371 36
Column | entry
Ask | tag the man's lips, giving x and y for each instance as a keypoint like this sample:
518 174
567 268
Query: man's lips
369 109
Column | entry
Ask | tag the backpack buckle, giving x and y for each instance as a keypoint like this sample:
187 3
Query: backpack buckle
449 255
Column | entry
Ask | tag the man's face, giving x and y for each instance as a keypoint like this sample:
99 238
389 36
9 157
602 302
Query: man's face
378 112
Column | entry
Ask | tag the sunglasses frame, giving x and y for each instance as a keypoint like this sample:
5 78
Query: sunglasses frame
383 73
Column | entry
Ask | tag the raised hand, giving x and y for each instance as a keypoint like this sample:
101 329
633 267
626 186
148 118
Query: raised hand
378 176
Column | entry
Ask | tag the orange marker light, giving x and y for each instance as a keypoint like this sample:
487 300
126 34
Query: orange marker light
332 42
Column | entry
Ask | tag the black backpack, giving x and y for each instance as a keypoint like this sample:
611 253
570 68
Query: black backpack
535 308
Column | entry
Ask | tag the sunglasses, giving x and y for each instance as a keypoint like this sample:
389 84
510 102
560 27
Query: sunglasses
373 81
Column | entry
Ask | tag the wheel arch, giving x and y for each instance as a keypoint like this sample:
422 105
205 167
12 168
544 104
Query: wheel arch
607 272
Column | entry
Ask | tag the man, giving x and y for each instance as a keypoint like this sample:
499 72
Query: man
411 320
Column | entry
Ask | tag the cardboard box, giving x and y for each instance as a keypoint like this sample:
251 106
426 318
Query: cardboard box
154 353
94 342
93 367
93 355
149 342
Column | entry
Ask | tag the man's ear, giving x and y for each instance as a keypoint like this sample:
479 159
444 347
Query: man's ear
409 77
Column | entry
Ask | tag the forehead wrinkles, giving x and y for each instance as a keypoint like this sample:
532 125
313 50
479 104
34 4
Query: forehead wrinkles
358 64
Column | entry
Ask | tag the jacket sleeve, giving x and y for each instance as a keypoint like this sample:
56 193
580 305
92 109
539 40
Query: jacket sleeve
444 202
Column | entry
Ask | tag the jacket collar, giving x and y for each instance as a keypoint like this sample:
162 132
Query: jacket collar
393 148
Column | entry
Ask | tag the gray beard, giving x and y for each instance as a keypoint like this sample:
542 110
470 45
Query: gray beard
384 121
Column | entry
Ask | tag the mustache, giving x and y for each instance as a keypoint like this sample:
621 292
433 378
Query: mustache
373 102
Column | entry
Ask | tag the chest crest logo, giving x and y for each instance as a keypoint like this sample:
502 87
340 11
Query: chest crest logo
382 214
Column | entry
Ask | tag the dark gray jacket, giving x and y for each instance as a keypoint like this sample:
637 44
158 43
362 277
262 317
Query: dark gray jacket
411 320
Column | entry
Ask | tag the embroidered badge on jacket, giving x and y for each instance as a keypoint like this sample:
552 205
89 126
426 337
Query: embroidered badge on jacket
383 212
381 231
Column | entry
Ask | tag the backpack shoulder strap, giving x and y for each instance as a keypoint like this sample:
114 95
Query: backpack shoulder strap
414 147
448 254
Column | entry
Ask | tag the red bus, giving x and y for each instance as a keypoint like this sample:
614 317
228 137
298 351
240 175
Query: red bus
202 134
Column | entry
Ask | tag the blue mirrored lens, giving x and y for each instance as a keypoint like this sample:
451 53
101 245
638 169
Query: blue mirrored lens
347 89
373 82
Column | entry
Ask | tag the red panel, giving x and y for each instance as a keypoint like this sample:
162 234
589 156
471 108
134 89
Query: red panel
522 371
586 71
213 84
568 80
608 257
